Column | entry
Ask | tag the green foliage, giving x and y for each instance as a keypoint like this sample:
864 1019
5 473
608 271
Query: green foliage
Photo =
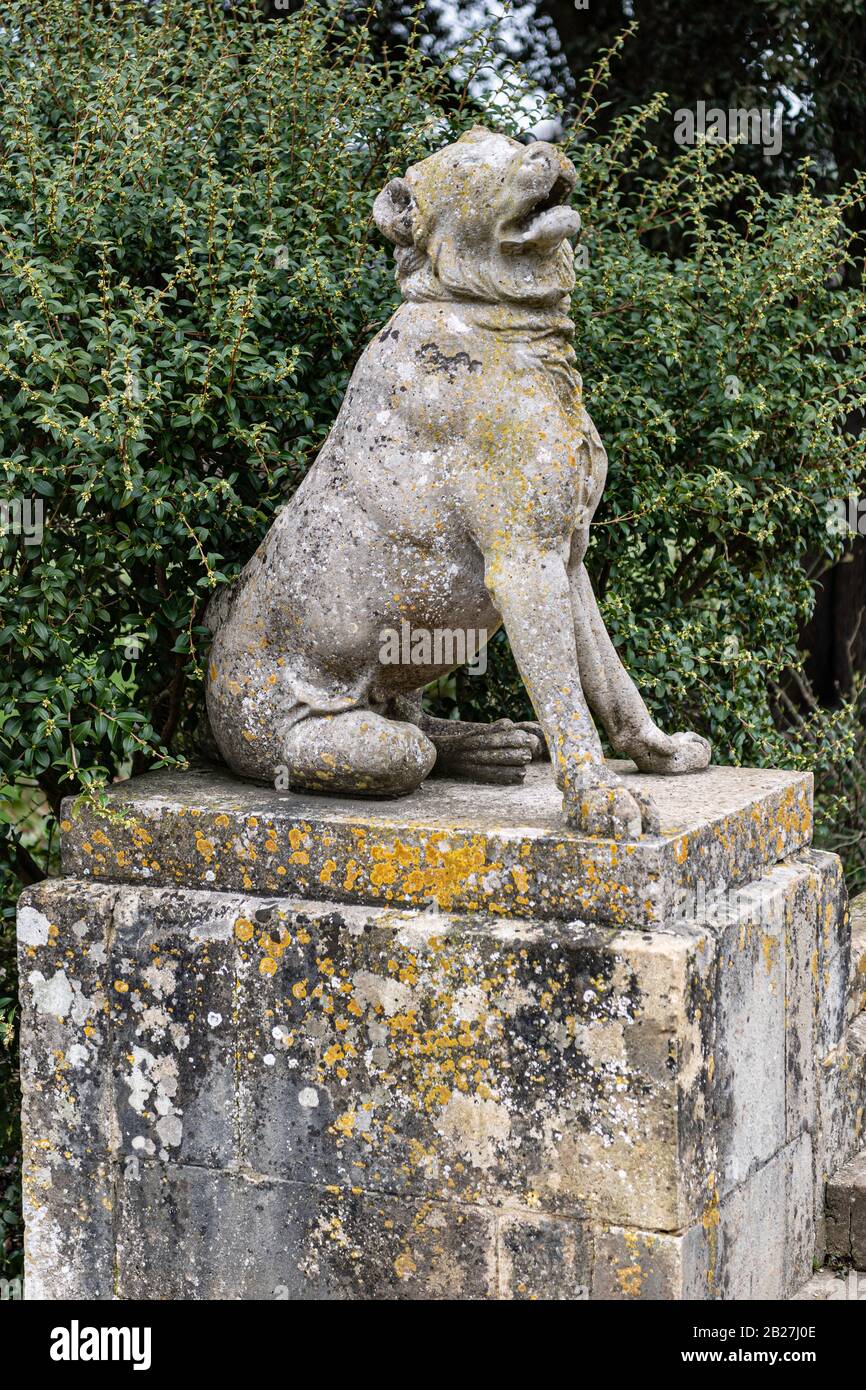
188 272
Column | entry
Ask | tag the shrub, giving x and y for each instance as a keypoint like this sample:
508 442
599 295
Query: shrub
188 272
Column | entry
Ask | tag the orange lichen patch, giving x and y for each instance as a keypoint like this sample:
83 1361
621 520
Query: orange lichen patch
630 1278
204 847
404 1265
710 1221
244 929
769 947
345 1124
353 873
521 878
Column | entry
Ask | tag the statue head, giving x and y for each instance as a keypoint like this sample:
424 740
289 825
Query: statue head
486 218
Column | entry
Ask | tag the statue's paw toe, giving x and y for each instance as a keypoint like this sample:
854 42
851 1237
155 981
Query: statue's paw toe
692 753
613 813
674 753
539 751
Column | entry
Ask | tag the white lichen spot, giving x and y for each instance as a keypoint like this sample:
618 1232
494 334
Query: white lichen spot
475 1127
393 995
32 927
170 1130
52 996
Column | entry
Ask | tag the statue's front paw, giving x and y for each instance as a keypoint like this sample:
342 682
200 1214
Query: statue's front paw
612 812
540 752
683 752
499 753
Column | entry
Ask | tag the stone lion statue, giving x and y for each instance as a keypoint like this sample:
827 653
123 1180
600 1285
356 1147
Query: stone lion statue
454 492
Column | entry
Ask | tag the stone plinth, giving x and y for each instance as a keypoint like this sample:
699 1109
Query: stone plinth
464 846
281 1047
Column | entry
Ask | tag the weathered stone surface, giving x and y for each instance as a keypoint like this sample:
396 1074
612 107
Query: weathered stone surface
510 1063
857 990
257 1238
540 1258
69 1214
173 1025
66 1070
764 1242
846 1212
635 1264
832 1286
343 1099
754 1243
460 847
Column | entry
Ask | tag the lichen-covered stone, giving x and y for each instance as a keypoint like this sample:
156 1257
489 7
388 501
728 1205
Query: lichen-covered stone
541 1258
857 988
525 1102
249 1237
68 1119
172 1019
503 851
846 1212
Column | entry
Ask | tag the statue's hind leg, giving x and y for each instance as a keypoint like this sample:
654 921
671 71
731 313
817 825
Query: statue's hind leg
356 753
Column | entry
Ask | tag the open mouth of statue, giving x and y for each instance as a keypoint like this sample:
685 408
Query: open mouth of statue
560 192
545 223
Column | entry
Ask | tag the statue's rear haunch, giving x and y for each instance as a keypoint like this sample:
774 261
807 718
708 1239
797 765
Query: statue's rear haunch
454 492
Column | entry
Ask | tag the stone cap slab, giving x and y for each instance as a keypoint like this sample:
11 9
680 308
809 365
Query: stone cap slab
456 845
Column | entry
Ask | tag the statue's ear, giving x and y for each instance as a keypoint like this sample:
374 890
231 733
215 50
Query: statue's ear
393 212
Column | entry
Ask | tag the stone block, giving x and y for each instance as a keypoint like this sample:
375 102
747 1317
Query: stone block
238 1091
846 1212
754 1243
543 1259
248 1237
174 1038
460 846
508 1063
857 989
